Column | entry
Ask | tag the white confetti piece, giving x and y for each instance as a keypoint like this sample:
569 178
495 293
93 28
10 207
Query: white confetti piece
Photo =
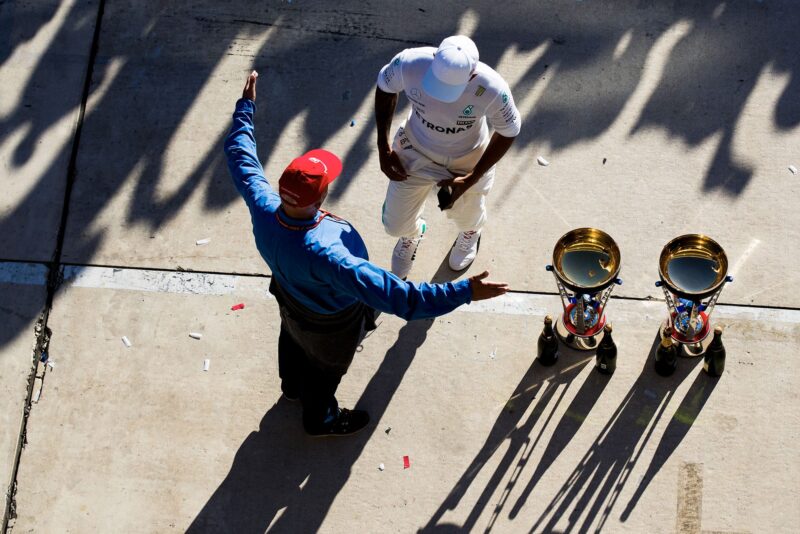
494 353
126 341
38 393
793 169
195 335
206 364
543 162
381 467
200 242
51 364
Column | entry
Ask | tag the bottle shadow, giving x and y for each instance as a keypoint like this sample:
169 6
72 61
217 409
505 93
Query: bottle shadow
591 490
682 420
549 385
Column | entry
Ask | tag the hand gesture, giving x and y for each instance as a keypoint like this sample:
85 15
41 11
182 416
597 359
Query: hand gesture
249 91
482 290
391 165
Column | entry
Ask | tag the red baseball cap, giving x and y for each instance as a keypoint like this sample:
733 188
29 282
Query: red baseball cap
306 177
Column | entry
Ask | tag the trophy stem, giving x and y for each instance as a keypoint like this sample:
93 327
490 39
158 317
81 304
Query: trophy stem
580 314
691 331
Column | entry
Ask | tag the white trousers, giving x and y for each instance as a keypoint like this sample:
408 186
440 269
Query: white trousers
405 201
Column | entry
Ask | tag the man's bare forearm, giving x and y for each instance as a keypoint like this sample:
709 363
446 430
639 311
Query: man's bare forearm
495 150
385 104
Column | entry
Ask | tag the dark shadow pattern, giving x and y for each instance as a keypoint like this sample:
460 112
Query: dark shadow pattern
682 420
279 467
591 491
169 52
12 35
549 385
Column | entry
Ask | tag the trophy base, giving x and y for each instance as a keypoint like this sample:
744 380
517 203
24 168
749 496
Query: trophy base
576 342
689 350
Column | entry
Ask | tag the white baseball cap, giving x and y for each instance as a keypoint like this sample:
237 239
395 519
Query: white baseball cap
453 64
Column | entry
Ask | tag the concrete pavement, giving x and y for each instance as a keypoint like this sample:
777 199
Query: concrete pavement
657 120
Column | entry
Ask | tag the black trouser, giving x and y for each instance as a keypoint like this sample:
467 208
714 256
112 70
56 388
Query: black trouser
315 351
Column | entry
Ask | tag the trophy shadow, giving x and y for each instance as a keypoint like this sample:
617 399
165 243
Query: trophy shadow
590 492
678 427
549 385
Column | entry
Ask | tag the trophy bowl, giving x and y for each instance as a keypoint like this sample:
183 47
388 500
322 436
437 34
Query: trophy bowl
586 260
693 266
586 265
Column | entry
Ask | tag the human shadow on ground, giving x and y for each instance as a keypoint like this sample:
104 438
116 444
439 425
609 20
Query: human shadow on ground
282 480
35 14
590 492
280 468
515 426
157 62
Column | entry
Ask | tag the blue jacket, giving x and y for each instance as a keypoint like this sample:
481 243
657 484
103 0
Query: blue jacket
324 263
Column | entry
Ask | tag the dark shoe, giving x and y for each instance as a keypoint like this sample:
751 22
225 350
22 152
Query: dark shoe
347 422
290 393
291 398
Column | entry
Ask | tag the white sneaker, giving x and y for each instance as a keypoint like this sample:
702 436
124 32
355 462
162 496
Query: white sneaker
464 250
404 253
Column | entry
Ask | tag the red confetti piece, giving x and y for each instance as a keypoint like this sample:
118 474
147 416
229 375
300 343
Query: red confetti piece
239 306
406 462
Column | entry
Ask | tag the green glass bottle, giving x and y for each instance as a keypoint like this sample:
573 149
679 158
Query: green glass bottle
606 356
714 359
666 355
547 350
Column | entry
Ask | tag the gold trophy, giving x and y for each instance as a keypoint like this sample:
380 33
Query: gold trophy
693 269
586 262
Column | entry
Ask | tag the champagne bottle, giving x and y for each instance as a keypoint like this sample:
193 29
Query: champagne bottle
606 355
714 359
666 355
548 343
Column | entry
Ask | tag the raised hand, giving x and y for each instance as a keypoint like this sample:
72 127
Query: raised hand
249 90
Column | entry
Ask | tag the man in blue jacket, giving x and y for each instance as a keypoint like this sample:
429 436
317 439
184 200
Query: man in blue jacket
326 288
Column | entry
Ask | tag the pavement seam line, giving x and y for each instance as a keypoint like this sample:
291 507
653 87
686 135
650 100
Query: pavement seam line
55 274
329 32
262 276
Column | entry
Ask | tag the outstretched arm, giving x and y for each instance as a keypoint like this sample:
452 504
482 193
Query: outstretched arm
384 291
240 149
